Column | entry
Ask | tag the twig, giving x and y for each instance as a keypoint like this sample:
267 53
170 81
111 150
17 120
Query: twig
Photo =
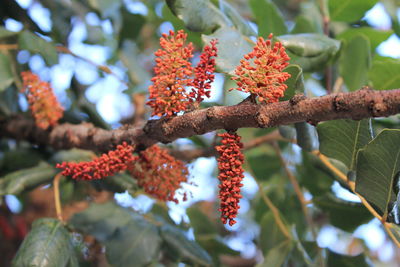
297 190
277 217
56 185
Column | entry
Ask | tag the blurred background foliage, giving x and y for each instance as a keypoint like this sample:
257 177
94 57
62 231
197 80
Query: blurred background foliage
296 210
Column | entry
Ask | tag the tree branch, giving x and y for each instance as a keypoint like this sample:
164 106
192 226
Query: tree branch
357 105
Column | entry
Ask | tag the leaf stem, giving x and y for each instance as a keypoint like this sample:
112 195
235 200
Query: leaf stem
56 188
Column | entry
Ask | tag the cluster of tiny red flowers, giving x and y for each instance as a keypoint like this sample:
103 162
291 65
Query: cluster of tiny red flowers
230 163
174 72
159 173
263 75
42 101
106 165
204 73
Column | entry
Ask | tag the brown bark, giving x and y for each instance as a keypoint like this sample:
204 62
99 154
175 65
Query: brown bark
357 105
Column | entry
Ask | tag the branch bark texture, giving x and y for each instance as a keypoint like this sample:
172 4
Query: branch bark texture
356 105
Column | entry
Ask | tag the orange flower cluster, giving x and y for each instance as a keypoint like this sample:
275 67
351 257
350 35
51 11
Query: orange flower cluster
42 102
159 173
230 163
106 165
174 73
263 76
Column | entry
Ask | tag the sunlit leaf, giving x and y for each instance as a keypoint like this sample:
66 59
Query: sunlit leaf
341 139
268 17
385 73
349 10
374 36
47 244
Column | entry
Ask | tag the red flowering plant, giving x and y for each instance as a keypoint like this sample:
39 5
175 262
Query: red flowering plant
42 102
174 73
261 71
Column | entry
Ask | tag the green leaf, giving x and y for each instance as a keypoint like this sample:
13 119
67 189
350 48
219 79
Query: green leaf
309 50
295 83
312 176
200 222
19 158
35 44
341 139
47 244
185 249
395 229
130 240
119 183
385 73
374 36
74 154
232 46
131 25
277 256
378 164
268 18
335 259
16 182
356 50
349 10
4 33
271 235
6 75
337 209
304 24
307 137
199 16
264 165
238 21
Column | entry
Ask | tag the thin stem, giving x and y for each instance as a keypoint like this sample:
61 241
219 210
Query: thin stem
56 185
351 185
297 190
271 206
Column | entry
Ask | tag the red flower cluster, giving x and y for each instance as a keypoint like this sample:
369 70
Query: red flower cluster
230 163
42 102
159 173
204 73
103 166
263 77
174 73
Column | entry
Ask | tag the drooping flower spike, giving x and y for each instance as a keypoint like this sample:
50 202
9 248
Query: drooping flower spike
42 102
230 163
106 165
260 72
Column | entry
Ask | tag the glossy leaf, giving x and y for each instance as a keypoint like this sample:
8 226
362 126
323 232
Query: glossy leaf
47 244
337 209
232 46
309 50
374 36
295 83
185 249
341 139
378 164
6 75
349 10
16 182
129 239
240 23
385 73
199 16
335 259
356 50
268 18
35 44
